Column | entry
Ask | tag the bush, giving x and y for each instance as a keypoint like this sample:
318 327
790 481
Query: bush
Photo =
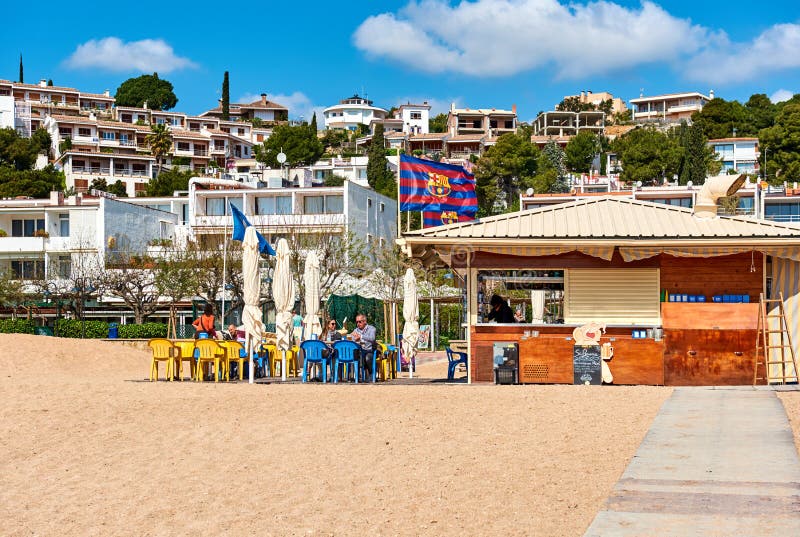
142 331
72 328
16 326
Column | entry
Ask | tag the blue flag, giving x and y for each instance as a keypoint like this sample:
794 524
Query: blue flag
240 224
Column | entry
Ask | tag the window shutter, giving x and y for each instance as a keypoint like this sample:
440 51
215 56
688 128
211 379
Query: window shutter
612 296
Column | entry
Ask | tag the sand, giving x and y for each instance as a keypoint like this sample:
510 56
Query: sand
90 448
791 402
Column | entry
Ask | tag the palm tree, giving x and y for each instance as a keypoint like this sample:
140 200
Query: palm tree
160 141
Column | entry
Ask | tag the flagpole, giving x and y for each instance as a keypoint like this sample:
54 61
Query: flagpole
224 269
399 215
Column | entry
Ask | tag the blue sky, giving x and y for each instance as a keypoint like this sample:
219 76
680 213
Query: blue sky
482 53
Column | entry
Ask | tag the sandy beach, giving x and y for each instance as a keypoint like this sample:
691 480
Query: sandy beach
91 448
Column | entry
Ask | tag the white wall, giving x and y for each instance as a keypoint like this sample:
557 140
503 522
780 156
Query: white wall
6 112
420 126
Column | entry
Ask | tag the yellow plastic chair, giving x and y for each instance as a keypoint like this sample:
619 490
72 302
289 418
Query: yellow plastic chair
275 357
234 352
184 353
209 353
383 362
163 351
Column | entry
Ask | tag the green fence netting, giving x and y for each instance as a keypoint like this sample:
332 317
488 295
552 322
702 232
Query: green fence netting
340 307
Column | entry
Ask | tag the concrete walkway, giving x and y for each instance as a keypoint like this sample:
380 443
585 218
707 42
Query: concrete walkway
715 462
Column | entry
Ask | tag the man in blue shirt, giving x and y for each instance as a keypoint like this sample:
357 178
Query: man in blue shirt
364 336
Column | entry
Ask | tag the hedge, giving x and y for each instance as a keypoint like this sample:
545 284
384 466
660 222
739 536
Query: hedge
16 326
142 331
72 328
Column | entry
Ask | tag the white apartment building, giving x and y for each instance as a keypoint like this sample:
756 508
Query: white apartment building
669 108
352 112
740 154
415 117
490 122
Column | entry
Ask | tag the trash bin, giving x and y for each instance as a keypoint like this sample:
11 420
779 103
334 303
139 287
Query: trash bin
113 330
42 330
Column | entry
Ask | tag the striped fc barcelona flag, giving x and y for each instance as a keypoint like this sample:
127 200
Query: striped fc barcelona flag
441 218
431 186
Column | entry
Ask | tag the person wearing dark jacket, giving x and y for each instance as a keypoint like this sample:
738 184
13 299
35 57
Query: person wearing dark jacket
501 311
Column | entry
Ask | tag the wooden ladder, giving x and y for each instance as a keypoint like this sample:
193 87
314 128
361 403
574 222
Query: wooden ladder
769 352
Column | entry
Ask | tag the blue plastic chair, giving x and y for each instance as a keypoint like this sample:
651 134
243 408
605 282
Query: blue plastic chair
345 354
453 360
312 353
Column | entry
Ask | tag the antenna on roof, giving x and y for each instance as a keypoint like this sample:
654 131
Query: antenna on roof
641 92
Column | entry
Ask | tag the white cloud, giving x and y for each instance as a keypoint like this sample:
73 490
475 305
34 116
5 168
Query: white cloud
724 61
505 37
113 54
781 95
298 103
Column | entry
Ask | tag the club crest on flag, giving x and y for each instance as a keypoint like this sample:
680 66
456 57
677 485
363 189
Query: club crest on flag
438 185
449 217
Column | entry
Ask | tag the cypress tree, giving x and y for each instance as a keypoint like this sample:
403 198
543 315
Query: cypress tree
49 81
314 123
21 77
226 98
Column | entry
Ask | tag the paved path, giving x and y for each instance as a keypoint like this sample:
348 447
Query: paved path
715 462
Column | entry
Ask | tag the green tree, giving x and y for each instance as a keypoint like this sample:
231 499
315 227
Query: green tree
379 177
314 122
298 142
168 182
581 150
552 164
761 112
49 81
157 93
159 140
117 188
438 123
782 144
648 155
226 98
720 118
506 168
574 104
21 71
32 183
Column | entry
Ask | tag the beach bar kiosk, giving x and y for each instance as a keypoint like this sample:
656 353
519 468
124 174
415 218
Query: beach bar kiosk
677 289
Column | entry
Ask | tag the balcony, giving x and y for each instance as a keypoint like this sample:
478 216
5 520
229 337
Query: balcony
94 170
21 244
276 221
201 152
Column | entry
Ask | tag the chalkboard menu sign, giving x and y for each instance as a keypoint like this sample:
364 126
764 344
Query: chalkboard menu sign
586 364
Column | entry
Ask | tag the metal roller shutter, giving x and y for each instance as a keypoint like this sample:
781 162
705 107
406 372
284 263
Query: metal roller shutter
612 296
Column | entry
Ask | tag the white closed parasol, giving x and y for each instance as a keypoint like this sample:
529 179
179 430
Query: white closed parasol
411 318
251 317
311 324
283 293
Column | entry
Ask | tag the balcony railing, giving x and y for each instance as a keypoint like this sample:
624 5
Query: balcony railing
91 169
276 220
201 152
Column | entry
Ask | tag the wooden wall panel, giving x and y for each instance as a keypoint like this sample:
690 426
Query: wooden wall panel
709 276
545 360
709 315
637 361
482 363
709 357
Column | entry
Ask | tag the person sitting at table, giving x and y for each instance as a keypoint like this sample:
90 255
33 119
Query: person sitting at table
230 333
205 323
501 311
364 336
329 333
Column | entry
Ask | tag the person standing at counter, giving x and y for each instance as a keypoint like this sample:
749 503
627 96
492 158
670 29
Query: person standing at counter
501 311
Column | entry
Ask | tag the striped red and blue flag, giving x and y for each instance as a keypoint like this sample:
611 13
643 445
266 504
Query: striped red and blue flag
426 185
441 218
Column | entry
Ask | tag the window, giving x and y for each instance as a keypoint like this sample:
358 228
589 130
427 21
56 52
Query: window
63 225
160 120
64 266
415 115
381 207
538 293
65 131
215 206
83 131
613 296
369 203
183 146
314 204
240 131
274 205
27 227
334 204
107 135
509 123
28 270
123 138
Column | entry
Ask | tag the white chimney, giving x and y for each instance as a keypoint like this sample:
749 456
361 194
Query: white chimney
711 94
107 93
264 98
43 83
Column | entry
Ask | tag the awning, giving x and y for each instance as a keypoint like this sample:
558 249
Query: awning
643 252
